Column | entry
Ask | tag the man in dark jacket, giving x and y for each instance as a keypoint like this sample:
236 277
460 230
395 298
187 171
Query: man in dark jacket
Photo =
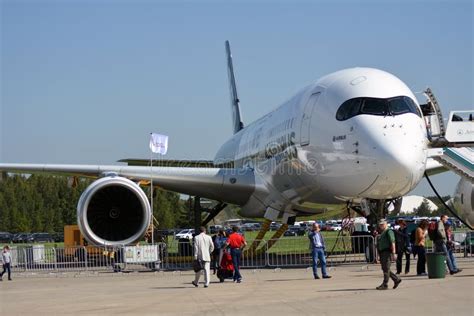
403 246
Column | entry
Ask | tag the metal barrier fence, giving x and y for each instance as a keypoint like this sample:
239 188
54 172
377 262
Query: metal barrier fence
57 259
178 255
287 252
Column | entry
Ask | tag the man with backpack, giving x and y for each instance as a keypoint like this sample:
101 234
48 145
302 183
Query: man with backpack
437 234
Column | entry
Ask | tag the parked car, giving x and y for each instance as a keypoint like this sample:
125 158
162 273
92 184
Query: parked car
327 227
185 234
250 227
290 233
214 229
5 237
40 237
20 237
58 237
337 227
295 231
274 226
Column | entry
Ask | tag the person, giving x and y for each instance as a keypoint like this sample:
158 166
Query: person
7 259
403 246
236 243
450 246
318 247
440 243
215 254
220 244
203 247
419 247
386 250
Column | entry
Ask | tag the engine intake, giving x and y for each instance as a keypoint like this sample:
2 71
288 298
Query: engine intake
113 211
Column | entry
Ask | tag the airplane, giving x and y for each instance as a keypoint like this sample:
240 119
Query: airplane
355 136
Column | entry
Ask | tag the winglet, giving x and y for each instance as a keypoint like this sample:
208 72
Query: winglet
234 99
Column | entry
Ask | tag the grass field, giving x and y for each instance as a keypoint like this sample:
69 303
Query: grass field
290 244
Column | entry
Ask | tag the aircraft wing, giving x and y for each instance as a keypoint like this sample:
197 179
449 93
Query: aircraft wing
221 184
176 163
433 167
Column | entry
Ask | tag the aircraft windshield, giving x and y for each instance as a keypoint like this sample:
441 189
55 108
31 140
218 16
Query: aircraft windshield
375 106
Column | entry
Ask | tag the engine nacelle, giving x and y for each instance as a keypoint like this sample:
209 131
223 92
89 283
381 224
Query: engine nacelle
464 200
113 211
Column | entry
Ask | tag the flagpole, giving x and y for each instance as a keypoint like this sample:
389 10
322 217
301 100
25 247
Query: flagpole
151 197
158 144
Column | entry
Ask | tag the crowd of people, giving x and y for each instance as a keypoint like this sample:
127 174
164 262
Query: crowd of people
400 243
223 252
392 246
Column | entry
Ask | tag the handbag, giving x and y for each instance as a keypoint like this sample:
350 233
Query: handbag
197 265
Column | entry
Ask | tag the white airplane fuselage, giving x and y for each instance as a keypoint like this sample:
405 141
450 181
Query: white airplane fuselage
301 152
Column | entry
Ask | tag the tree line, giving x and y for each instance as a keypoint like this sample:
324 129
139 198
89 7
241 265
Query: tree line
44 203
424 208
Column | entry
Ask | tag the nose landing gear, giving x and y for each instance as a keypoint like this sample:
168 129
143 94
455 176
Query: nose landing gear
374 210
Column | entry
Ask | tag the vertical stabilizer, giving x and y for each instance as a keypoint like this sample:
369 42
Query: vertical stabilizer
234 99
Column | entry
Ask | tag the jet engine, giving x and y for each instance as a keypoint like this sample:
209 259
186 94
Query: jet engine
113 211
464 200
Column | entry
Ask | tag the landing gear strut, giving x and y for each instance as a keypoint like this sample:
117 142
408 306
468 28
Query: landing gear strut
212 213
374 210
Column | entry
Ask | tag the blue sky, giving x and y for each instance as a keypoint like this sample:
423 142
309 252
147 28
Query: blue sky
87 81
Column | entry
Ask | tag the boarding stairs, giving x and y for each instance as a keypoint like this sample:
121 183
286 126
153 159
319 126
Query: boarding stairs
459 160
453 141
458 131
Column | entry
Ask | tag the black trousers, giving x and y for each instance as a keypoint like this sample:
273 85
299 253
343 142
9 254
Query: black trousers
421 263
6 268
399 262
385 262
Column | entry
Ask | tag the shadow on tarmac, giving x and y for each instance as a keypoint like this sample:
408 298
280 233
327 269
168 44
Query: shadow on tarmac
348 290
288 280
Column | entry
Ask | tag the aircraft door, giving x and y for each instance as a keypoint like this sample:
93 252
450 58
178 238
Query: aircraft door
306 121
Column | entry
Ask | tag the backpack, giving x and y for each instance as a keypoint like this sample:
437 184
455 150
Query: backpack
413 236
433 230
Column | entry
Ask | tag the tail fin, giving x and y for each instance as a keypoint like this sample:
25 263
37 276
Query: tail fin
234 99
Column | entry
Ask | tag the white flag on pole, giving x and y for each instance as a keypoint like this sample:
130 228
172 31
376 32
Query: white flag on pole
159 143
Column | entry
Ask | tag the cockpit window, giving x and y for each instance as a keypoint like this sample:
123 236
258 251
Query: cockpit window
348 109
376 106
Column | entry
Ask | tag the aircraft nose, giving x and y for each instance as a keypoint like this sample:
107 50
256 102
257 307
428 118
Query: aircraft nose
399 161
400 165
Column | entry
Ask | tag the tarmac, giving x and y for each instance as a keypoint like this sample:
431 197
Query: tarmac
350 291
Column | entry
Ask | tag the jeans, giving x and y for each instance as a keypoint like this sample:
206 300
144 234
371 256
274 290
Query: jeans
6 268
385 262
399 261
421 263
236 253
318 253
453 259
440 246
207 274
